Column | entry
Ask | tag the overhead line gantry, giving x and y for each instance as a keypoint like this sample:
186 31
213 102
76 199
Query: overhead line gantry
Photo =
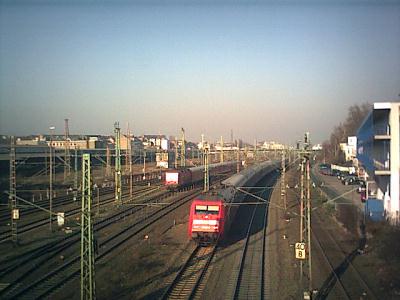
87 238
13 192
305 213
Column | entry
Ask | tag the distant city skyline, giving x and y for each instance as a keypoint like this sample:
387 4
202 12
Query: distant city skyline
266 71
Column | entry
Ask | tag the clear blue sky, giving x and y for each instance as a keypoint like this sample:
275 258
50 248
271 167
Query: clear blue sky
267 71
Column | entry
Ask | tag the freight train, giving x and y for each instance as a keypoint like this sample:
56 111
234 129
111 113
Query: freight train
211 215
177 178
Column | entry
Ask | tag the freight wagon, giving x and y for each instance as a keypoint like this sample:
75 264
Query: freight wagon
177 178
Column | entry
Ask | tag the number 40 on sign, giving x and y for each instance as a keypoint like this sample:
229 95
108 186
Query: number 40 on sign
300 250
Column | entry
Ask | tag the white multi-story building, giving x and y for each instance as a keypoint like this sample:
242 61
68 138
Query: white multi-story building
378 150
157 141
350 148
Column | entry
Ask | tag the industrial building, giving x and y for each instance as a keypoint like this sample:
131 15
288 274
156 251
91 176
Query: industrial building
273 146
59 142
378 151
89 143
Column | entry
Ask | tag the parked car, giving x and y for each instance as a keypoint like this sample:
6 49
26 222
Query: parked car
324 166
361 187
342 175
350 180
326 171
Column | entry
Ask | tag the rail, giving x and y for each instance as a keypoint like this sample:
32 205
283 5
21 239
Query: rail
46 285
5 235
187 281
346 262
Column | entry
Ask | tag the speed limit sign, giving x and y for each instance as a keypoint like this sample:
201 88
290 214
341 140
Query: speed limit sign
300 249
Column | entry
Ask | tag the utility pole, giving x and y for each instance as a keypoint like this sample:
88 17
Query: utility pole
307 144
176 153
183 149
232 154
302 217
67 157
51 179
118 189
13 192
283 186
87 246
108 161
130 164
255 150
76 175
222 151
305 215
206 168
127 150
310 282
238 158
202 149
98 199
144 164
46 163
306 140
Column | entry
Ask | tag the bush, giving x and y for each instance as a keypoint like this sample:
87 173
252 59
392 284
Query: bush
386 241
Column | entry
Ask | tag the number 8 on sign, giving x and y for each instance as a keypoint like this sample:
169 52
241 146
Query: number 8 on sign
300 250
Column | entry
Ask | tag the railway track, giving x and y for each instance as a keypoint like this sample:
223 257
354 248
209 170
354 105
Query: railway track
68 199
187 282
47 284
51 248
41 221
249 283
344 276
250 274
5 214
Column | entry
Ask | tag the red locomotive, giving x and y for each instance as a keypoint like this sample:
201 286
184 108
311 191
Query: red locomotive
211 216
206 219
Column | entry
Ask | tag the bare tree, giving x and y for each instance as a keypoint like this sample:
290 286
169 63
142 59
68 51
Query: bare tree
355 116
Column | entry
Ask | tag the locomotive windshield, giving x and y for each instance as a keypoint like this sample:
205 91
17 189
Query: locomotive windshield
201 209
207 209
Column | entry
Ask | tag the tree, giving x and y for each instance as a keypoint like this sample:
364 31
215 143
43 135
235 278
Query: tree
355 116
